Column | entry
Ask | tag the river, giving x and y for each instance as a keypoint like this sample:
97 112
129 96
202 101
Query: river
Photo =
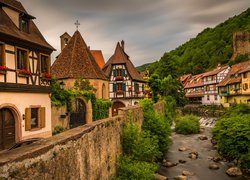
205 151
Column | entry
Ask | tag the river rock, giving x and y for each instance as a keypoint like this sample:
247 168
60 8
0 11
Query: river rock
180 178
182 161
213 141
187 173
234 171
169 164
213 166
160 177
183 149
193 155
203 138
217 158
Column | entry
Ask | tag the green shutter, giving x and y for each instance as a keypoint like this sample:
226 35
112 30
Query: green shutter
114 72
114 87
124 87
123 73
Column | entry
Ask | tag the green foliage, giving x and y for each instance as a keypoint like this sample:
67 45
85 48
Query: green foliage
140 145
157 124
155 84
170 106
135 170
188 124
209 48
60 97
101 108
83 85
143 67
58 129
232 133
240 58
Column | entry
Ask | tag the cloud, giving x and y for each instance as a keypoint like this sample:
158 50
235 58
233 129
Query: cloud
148 27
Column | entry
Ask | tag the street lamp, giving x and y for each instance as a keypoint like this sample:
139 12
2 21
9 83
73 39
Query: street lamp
62 84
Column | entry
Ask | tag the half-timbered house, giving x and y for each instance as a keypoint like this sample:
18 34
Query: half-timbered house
25 107
126 85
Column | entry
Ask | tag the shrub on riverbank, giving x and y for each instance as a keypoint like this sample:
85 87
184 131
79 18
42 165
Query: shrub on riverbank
188 124
232 133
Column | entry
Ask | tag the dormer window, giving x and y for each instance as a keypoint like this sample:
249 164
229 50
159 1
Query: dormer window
24 24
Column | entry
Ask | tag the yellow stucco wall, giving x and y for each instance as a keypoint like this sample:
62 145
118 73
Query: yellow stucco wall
226 101
246 80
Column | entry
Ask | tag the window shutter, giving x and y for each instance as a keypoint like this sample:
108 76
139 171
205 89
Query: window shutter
114 72
114 87
42 117
27 119
143 88
124 87
123 73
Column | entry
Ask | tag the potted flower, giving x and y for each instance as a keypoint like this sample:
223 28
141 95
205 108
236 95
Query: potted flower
119 92
46 75
3 69
119 78
24 73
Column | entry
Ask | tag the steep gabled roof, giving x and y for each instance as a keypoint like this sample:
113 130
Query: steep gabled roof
120 57
76 61
231 77
195 81
8 28
13 4
98 57
215 71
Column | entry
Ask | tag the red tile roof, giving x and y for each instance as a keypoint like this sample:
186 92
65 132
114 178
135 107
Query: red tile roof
215 71
98 57
194 81
8 28
120 57
235 69
76 61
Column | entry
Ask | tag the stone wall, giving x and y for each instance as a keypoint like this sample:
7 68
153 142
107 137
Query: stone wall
241 43
59 117
202 111
86 152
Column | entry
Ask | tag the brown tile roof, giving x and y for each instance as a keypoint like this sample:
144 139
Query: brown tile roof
13 4
8 28
235 69
194 81
98 57
215 71
76 61
120 57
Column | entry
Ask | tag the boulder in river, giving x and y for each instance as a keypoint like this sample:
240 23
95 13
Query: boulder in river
193 155
187 173
203 138
169 164
213 166
160 177
182 161
234 171
183 149
217 158
180 178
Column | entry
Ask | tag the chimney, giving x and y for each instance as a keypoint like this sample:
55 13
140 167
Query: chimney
122 43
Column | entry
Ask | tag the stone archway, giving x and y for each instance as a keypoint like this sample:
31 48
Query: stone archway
10 125
116 106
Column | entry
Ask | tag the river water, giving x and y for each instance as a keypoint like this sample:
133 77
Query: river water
205 153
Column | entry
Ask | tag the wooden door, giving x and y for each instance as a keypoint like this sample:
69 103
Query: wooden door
116 106
7 129
78 116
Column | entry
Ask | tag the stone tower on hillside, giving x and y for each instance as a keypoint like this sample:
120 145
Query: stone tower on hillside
241 44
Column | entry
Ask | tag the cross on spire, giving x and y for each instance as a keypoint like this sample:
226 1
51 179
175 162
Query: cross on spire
77 24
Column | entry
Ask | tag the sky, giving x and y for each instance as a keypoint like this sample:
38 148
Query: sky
149 27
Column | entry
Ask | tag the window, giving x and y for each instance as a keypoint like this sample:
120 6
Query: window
245 86
22 59
119 87
136 88
245 75
34 118
215 97
24 25
1 55
119 72
45 64
208 98
207 88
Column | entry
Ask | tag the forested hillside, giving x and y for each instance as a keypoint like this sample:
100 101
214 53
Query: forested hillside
209 48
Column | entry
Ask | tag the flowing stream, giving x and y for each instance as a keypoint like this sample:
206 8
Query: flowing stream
199 166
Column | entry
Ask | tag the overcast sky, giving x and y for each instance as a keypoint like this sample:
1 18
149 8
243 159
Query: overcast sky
148 27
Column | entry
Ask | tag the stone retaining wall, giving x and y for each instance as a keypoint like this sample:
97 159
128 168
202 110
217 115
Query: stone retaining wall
86 152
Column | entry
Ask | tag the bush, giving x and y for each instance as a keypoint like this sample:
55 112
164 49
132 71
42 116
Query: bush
140 145
188 124
57 130
135 170
232 134
157 124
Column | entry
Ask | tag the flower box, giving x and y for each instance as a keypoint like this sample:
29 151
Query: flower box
119 92
3 69
46 76
119 78
24 73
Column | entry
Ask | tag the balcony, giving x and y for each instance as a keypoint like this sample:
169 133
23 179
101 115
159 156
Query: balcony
224 93
119 78
195 94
